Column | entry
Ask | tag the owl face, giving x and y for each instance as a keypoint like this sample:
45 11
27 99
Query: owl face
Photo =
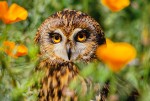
69 36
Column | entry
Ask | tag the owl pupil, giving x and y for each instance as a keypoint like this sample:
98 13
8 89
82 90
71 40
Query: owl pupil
57 37
80 36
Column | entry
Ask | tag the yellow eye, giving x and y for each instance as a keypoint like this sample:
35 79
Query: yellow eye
56 38
81 37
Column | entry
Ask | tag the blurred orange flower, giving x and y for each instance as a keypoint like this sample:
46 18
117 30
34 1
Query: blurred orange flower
12 14
116 55
9 47
116 5
21 50
14 50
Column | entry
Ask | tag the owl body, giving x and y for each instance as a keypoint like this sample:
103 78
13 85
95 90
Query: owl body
64 38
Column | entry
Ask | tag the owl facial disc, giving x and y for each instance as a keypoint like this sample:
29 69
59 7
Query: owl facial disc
69 36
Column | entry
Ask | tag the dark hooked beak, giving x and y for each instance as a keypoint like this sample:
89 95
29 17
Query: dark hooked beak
69 51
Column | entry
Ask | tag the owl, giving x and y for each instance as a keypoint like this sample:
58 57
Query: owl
65 38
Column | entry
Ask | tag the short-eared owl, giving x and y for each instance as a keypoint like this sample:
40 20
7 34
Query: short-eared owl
64 38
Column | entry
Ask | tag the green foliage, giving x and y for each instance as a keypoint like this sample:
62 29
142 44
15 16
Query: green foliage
131 25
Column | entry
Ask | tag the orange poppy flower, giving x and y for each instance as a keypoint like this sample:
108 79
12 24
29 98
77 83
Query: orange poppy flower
9 47
14 50
116 5
116 55
21 50
12 14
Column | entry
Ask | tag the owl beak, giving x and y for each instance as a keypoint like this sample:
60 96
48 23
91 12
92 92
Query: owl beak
69 51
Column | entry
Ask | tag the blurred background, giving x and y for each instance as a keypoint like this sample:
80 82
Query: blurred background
131 25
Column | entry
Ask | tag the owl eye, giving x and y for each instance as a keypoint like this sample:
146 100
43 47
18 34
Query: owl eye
81 36
55 37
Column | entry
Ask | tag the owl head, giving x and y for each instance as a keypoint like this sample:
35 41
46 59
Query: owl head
69 36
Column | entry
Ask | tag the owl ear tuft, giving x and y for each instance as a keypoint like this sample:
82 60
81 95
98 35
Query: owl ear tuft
37 37
101 38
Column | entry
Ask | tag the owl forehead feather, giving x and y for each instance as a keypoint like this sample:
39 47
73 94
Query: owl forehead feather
68 20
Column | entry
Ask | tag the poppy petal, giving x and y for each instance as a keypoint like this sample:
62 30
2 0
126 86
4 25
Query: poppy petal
15 13
3 8
116 5
9 47
21 50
